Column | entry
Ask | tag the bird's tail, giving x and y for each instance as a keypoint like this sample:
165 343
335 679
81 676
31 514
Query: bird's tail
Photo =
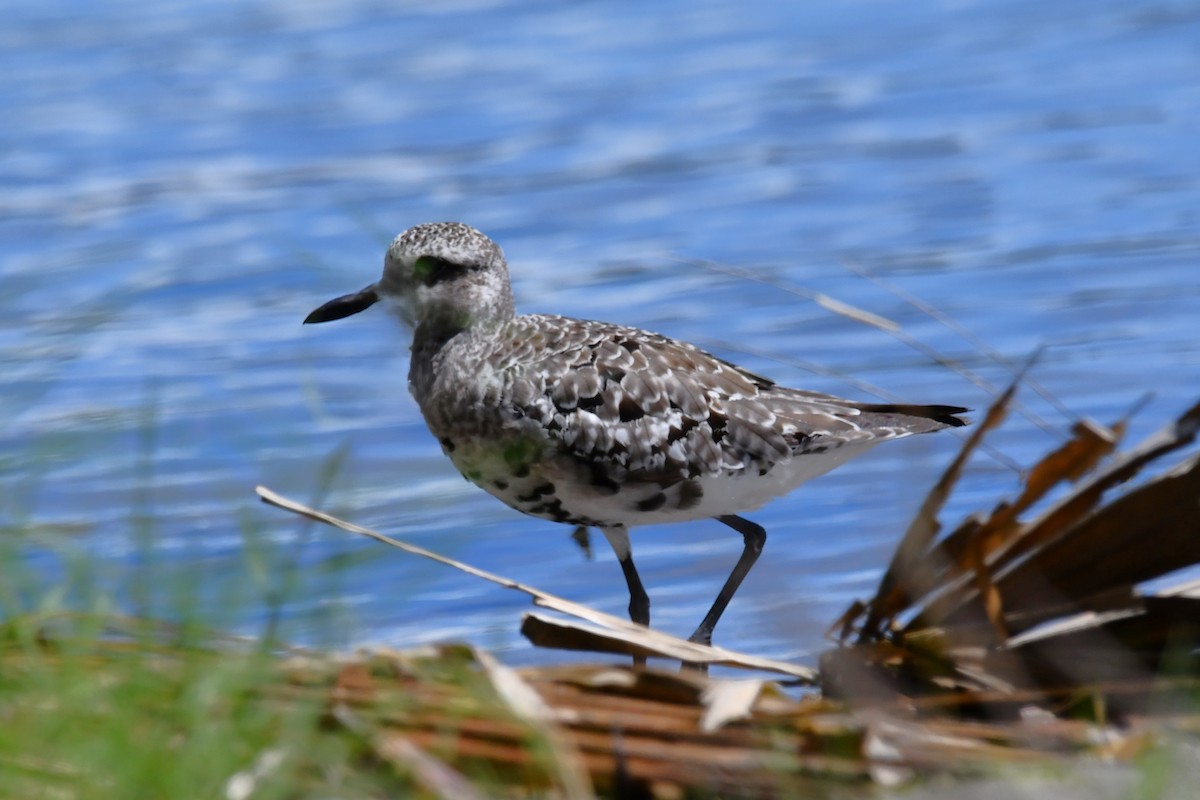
943 414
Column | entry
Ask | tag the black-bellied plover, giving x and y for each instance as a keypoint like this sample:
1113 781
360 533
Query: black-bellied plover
601 425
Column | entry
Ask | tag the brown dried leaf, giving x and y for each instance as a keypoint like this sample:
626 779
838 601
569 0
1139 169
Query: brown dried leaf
1090 443
1093 557
1150 531
843 626
991 597
1087 494
568 635
1112 648
912 574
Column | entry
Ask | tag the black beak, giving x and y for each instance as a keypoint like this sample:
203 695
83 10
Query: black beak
344 306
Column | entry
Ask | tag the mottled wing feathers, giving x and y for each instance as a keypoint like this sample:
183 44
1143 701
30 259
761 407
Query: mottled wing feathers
665 410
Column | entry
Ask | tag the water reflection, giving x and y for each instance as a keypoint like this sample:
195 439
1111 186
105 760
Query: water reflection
183 181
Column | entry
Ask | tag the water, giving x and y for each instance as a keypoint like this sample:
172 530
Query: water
184 181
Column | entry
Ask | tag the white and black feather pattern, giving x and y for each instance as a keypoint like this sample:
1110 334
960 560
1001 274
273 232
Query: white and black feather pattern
594 423
600 410
603 425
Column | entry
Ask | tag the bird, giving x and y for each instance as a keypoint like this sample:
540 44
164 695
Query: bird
600 425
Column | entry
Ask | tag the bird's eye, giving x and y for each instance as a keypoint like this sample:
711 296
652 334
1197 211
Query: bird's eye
429 270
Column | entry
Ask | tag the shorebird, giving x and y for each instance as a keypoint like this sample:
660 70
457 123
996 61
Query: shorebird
602 425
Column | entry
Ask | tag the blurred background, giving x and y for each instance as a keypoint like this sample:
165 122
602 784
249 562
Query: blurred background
183 181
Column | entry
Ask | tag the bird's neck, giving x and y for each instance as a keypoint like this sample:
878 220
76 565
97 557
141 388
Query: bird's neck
438 325
438 346
432 334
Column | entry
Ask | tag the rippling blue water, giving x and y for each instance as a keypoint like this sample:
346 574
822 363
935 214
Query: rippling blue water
184 181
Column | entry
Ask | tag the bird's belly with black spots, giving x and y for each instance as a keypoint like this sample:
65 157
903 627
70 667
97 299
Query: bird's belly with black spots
635 501
527 476
573 491
518 472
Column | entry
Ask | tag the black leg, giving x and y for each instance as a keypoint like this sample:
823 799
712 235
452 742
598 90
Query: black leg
755 537
639 601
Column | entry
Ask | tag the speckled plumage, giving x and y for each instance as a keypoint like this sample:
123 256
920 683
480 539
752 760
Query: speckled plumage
603 425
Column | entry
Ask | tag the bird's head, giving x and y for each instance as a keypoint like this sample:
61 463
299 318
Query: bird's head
443 274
